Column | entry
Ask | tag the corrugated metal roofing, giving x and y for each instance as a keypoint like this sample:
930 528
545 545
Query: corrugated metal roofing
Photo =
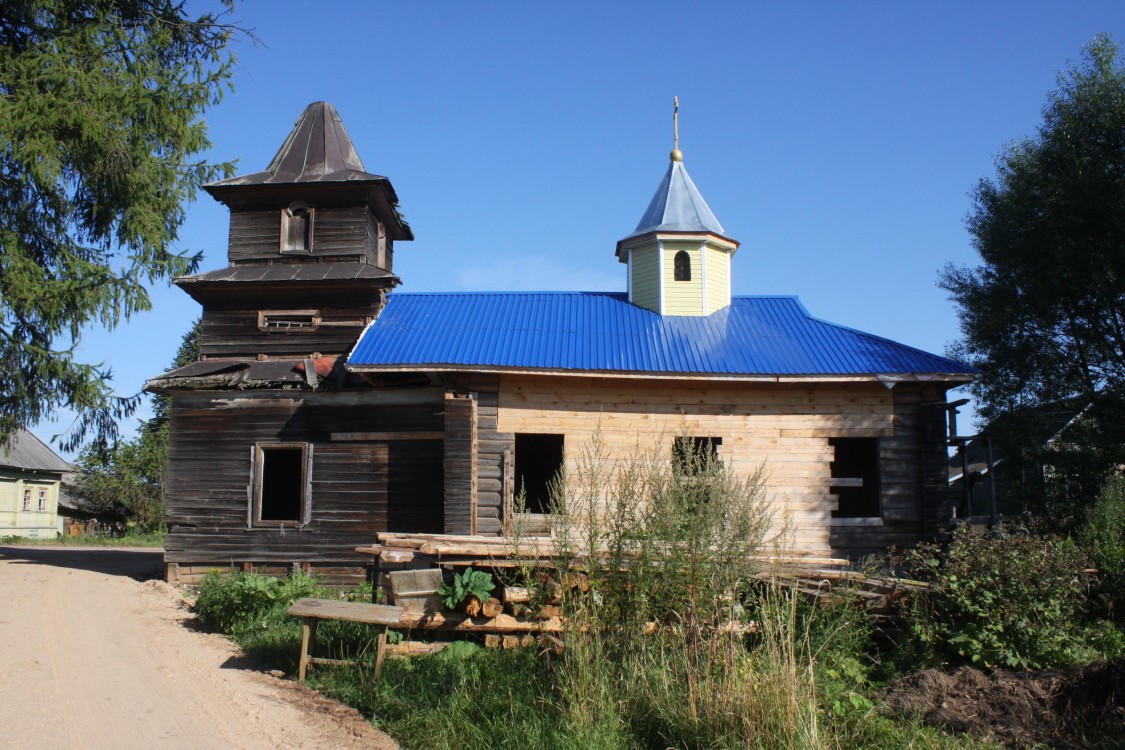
603 332
25 451
677 206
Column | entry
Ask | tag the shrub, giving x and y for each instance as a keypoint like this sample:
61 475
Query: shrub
229 603
1014 600
1103 536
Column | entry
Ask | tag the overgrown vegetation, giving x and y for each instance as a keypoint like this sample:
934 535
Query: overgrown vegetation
675 635
1010 599
1103 536
252 609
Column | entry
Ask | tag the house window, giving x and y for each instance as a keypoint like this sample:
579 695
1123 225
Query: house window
42 499
692 456
682 266
27 498
288 320
539 459
855 477
296 228
280 484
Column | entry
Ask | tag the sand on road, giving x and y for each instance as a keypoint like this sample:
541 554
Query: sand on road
97 654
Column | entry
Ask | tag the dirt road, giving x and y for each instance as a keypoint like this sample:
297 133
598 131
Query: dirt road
96 654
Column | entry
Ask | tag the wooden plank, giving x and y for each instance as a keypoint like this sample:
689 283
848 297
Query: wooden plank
373 614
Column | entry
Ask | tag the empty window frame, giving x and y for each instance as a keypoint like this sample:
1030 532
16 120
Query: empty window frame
692 456
681 266
539 459
281 321
297 228
381 258
42 497
280 485
27 498
855 477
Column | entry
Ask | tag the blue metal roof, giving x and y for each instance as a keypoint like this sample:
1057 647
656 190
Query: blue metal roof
677 206
604 332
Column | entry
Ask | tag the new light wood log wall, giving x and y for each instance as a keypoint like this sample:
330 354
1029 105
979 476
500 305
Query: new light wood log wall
783 426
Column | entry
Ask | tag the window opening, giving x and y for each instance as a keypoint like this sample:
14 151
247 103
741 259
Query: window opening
381 245
281 486
294 320
296 228
855 477
692 456
539 459
682 266
27 498
42 499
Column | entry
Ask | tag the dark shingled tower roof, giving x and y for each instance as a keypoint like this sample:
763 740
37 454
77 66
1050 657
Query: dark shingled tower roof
318 151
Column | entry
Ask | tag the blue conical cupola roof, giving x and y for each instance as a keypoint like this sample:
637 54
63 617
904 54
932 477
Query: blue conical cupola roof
678 206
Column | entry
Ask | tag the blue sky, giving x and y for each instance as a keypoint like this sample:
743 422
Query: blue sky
839 142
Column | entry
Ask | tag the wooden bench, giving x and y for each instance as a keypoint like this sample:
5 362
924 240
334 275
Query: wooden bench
315 610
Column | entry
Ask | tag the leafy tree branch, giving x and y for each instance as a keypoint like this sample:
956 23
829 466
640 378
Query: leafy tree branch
100 131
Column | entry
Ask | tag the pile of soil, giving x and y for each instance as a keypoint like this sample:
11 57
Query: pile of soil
1057 708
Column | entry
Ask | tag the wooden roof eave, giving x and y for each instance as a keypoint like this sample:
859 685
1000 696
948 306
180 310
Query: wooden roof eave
208 291
887 379
638 239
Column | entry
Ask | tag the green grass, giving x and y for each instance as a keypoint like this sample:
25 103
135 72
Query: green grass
152 539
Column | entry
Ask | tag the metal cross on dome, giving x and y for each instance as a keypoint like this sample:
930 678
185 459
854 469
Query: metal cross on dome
676 122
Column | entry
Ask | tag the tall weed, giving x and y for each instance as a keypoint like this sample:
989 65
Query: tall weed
1103 536
677 638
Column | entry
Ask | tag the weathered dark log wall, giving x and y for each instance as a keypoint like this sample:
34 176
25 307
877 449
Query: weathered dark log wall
914 478
359 487
235 333
337 232
490 446
460 463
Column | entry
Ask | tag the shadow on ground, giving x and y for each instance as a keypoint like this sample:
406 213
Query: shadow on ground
141 564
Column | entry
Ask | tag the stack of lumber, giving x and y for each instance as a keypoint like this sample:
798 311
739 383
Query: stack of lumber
812 575
497 551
